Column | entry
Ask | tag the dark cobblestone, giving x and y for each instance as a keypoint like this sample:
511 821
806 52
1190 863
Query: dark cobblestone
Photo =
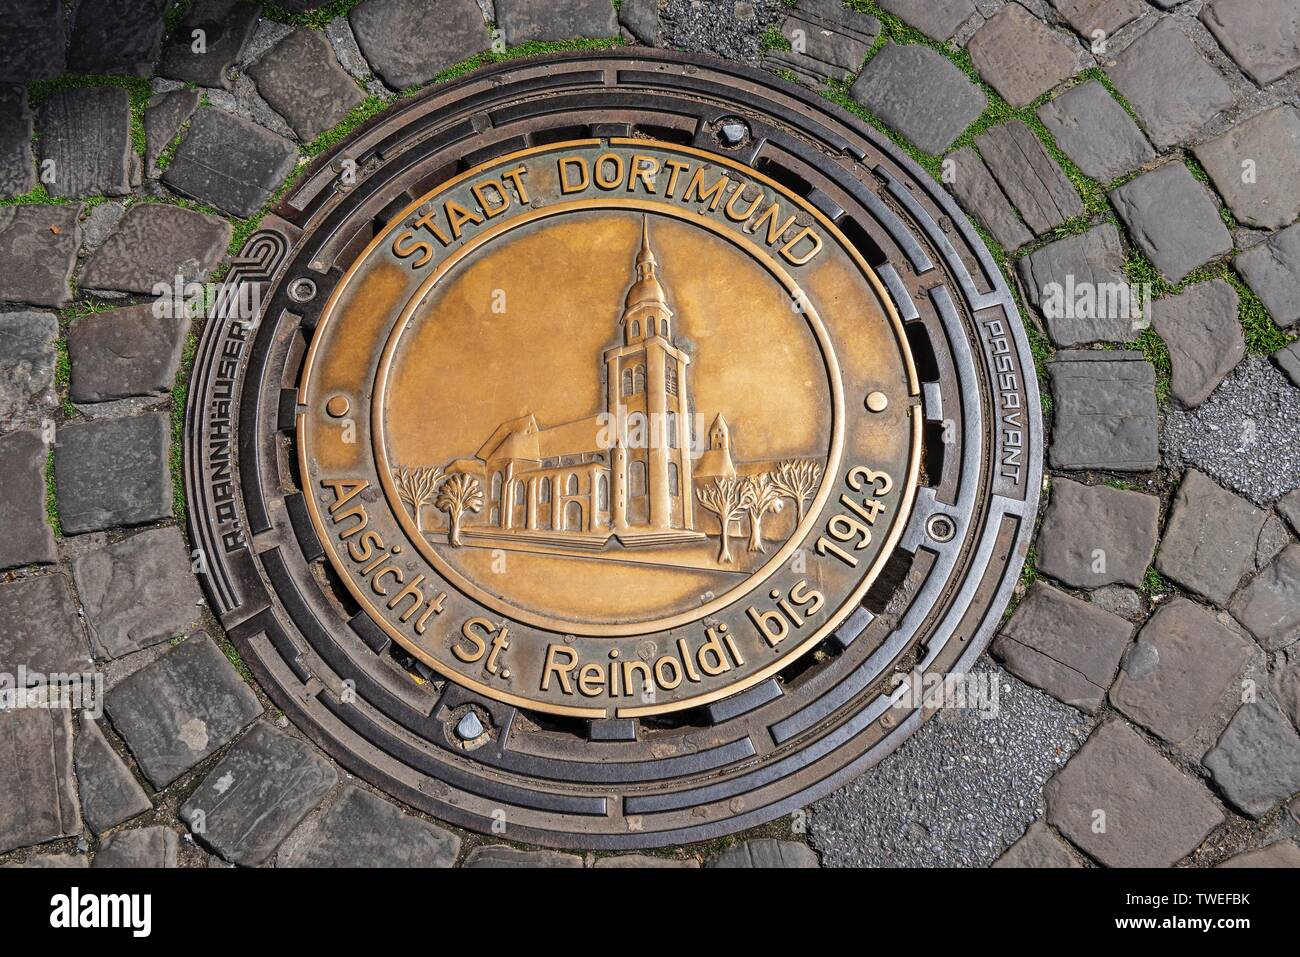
27 539
116 37
38 795
1173 219
1097 535
1256 763
921 94
1105 411
1209 543
227 26
109 792
42 631
237 181
124 352
113 472
301 79
406 46
1204 336
17 163
1272 270
1091 127
1270 141
38 251
363 830
1020 56
27 356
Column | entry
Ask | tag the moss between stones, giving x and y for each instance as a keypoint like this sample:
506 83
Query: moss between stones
51 497
314 19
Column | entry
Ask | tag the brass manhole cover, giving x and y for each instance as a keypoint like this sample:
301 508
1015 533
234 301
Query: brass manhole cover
617 440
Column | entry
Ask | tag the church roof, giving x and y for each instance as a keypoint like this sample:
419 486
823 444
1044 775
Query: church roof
647 289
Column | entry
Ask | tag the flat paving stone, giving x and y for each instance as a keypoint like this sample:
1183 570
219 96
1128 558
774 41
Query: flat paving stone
1089 16
28 538
937 19
1020 56
1263 195
163 119
1272 270
982 197
829 41
33 44
959 791
38 794
1179 670
1285 685
1170 112
1079 286
1256 763
124 352
766 853
1287 359
1173 218
1038 848
27 357
17 163
154 243
1288 506
1031 179
1262 36
1269 606
257 794
407 47
98 224
1210 539
302 81
116 37
181 708
1095 535
137 592
1244 435
237 181
1064 646
921 94
38 251
86 142
550 20
151 847
112 472
1105 411
1096 132
42 630
1203 332
501 855
1278 854
363 830
110 793
1155 815
227 25
640 18
644 862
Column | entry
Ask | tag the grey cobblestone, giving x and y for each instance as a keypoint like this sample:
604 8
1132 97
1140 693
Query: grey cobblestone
27 356
1065 646
1173 219
937 19
1170 112
1098 135
38 251
1155 815
765 853
1089 260
1269 606
137 592
500 855
113 472
38 795
1038 847
1097 535
116 37
42 630
1020 56
17 162
302 81
363 830
181 708
1105 414
1179 670
238 182
1029 177
109 792
227 26
1204 336
1263 36
124 352
1272 270
151 847
1270 143
33 43
28 538
920 93
1209 542
163 119
405 46
1256 763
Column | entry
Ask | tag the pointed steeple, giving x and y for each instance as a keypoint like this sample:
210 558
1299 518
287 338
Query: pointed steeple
646 311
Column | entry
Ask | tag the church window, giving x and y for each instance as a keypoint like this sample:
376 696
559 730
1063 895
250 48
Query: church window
674 480
627 381
671 422
638 380
636 329
521 494
544 491
572 486
602 492
670 375
636 477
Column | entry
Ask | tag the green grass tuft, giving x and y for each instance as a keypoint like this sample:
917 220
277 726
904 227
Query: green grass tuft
180 396
312 19
1153 583
774 39
51 497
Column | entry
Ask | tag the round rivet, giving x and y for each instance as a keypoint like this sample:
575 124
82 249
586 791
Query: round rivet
302 290
338 406
941 528
877 402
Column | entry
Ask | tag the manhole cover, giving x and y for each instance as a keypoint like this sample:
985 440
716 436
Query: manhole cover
619 446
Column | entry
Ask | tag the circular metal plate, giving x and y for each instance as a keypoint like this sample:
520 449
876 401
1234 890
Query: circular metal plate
615 440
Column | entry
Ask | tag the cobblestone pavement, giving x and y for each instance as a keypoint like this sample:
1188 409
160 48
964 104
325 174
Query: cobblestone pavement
1151 669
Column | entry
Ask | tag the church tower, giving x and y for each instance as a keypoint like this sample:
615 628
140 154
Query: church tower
651 482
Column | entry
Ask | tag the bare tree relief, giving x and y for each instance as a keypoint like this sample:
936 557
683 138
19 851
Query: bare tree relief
416 488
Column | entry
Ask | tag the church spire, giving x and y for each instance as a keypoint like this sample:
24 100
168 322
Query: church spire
646 311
